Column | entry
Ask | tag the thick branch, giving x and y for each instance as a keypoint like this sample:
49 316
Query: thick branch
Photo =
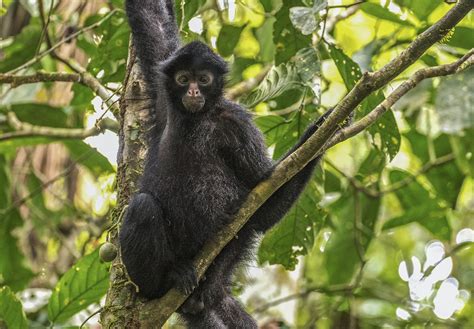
24 129
369 83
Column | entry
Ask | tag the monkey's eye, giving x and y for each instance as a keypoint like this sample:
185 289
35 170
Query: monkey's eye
205 79
182 79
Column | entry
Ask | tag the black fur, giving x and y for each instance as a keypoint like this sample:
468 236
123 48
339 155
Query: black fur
200 168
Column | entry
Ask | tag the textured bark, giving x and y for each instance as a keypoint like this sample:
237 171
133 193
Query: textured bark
120 310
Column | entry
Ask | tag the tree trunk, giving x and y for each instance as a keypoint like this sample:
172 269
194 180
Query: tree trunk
120 310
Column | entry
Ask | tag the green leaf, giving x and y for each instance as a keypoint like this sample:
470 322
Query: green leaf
302 70
109 55
378 11
5 195
11 310
462 147
189 8
422 9
278 80
89 157
446 178
228 38
342 253
295 234
462 37
287 39
304 19
82 285
348 69
419 206
264 36
39 114
384 132
22 49
13 271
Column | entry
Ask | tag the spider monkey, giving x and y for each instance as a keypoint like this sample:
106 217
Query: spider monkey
205 156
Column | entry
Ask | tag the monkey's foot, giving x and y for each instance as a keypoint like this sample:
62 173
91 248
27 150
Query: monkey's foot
184 277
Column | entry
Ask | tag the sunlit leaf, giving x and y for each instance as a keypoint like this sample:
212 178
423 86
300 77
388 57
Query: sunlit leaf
22 49
422 9
89 157
264 35
11 310
384 132
378 11
305 19
84 284
287 39
462 37
303 70
228 38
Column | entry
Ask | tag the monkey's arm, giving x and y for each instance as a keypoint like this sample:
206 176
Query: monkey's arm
243 149
155 33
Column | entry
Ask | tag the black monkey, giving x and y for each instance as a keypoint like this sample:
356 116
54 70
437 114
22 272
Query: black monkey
204 158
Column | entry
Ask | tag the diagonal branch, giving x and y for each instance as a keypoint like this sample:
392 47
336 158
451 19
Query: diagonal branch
437 71
369 83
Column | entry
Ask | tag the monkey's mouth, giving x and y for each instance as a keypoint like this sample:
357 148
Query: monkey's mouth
193 103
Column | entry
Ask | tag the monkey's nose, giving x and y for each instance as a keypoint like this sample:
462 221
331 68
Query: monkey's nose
194 92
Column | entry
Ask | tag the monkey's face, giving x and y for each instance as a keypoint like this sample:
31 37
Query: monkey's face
194 88
195 78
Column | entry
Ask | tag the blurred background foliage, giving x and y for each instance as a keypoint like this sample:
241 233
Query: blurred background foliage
382 236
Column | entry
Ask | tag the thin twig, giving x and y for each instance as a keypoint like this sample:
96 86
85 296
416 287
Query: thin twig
430 72
246 86
346 6
57 45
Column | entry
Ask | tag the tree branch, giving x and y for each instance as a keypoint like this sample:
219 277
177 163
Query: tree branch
84 78
369 83
437 71
244 87
24 129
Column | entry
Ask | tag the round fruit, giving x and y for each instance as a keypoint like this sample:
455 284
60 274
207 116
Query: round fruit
107 252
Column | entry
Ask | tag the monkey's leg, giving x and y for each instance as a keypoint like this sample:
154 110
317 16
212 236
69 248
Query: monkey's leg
144 246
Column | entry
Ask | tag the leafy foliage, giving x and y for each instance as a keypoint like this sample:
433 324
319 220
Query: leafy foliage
85 283
11 311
